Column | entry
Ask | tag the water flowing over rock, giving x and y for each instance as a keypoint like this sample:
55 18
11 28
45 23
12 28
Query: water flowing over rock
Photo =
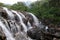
14 25
6 31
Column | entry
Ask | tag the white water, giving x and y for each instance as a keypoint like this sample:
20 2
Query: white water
29 25
5 30
46 27
6 23
35 19
10 14
12 27
21 21
22 15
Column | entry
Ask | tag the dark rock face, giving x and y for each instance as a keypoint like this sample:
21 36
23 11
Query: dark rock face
34 33
3 13
2 38
2 35
41 34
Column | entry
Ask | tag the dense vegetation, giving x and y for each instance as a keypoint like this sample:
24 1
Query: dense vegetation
46 10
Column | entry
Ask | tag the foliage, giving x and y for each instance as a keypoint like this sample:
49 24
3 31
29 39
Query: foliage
19 6
49 9
1 4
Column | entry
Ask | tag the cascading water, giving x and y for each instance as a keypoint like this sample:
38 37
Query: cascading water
36 22
6 31
10 14
21 21
29 25
5 23
22 15
12 29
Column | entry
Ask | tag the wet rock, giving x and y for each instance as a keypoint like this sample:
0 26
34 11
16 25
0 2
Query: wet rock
34 33
41 34
2 35
3 13
29 18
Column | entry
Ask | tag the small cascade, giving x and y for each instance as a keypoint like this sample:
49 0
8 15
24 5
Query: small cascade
36 21
13 27
6 31
22 15
5 22
10 14
21 21
29 25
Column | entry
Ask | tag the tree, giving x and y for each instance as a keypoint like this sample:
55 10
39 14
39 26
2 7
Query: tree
39 8
47 9
1 4
19 6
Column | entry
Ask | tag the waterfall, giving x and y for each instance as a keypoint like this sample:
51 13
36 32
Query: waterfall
36 21
21 21
6 31
16 29
10 14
